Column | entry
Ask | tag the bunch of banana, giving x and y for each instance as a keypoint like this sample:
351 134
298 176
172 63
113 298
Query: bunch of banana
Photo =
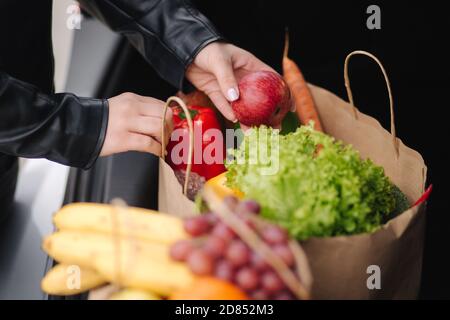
98 244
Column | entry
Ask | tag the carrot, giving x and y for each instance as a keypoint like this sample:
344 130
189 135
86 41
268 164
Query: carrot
306 109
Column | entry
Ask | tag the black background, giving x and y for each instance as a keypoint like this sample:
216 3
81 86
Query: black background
411 46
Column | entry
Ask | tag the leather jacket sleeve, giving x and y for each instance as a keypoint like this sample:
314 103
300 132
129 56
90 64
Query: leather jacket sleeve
71 130
60 127
168 33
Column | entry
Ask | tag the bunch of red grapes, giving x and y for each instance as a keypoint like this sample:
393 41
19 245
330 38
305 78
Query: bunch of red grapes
215 250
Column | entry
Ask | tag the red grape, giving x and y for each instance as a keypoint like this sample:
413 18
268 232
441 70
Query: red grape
223 231
271 282
246 219
283 295
197 226
285 253
258 262
211 217
247 278
249 206
274 235
241 209
224 270
200 262
231 202
238 253
180 250
215 246
259 294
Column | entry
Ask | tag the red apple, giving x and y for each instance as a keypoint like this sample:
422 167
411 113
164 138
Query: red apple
264 98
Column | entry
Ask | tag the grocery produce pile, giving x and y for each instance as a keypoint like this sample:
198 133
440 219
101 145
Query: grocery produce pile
260 259
151 255
321 188
244 243
114 244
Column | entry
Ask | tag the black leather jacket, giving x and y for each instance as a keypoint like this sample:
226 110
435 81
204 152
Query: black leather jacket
35 122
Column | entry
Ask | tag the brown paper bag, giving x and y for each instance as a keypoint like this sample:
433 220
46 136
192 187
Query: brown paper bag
340 265
171 195
171 198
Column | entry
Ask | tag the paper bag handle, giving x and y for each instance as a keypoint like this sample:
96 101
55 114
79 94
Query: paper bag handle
183 106
388 85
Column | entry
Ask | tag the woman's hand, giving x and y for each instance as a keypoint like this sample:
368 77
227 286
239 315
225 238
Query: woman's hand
217 69
135 123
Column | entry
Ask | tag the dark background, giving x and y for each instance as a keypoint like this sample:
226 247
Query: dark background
411 46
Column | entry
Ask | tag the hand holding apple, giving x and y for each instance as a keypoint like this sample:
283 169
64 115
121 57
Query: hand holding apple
264 99
219 67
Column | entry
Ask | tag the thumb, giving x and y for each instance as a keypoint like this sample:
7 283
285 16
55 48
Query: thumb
225 77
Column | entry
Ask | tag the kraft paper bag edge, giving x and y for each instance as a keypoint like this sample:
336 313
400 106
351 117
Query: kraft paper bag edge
397 233
170 193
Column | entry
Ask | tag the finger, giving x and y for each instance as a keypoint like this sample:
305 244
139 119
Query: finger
252 64
223 105
151 108
143 143
149 126
147 100
224 73
169 121
146 105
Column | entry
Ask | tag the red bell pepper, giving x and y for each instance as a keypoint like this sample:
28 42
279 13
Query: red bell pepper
204 118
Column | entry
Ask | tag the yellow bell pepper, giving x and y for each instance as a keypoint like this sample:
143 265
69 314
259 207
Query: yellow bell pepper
218 185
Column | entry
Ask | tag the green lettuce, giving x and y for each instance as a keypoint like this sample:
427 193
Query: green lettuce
321 188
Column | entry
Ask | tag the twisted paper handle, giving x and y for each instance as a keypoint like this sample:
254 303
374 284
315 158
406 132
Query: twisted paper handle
388 84
181 103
